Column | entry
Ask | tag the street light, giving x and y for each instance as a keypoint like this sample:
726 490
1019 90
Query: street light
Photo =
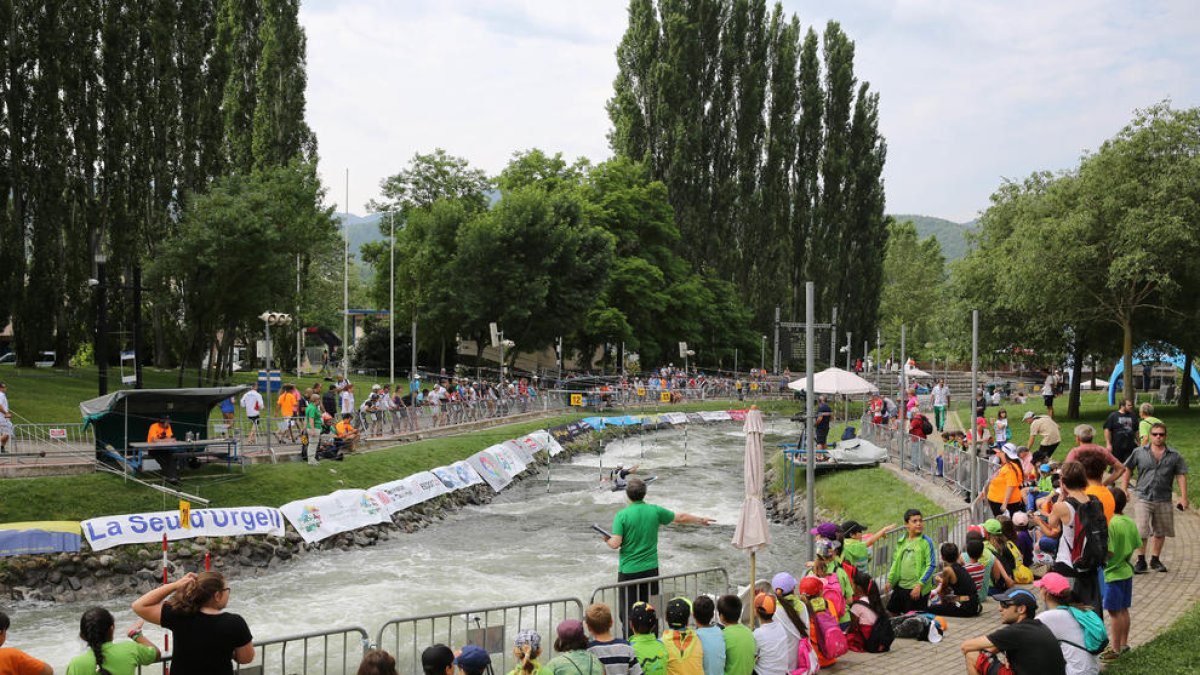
271 319
101 323
762 355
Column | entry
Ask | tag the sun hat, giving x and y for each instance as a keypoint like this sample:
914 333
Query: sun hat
528 637
784 582
827 530
1054 583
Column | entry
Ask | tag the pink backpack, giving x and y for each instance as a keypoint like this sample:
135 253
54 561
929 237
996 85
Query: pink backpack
830 637
833 595
806 660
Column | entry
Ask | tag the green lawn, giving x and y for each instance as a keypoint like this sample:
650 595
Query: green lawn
1173 652
873 497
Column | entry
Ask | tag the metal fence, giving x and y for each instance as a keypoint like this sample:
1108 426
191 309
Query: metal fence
492 628
45 440
950 465
338 650
713 580
943 527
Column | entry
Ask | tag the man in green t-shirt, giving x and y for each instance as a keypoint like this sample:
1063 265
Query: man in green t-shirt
740 647
1123 540
635 535
312 429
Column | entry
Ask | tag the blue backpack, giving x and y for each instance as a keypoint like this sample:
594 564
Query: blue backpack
1095 637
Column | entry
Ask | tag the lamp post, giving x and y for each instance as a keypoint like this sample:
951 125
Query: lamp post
392 307
101 323
271 319
762 354
686 354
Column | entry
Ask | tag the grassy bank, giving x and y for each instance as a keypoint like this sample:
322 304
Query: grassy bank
1173 652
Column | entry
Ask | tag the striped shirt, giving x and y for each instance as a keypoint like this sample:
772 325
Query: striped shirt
617 656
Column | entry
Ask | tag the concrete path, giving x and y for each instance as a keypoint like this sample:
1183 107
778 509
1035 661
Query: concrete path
1158 600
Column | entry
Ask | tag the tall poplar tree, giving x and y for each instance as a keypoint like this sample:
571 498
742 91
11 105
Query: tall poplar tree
280 133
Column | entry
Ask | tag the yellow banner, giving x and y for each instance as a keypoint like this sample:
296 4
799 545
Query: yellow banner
185 514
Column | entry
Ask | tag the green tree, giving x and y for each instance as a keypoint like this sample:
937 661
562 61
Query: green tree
280 133
431 177
238 41
913 279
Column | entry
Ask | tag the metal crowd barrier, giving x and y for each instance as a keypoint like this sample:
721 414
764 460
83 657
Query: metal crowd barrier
339 650
713 580
943 527
493 628
42 440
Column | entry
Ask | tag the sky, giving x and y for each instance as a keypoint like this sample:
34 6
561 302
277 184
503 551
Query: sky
971 93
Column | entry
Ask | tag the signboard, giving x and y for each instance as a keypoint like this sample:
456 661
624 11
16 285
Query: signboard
143 528
58 434
665 397
576 400
683 350
185 514
641 391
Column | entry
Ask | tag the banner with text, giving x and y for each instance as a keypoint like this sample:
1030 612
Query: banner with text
544 441
490 468
673 418
457 476
318 518
715 415
142 528
401 494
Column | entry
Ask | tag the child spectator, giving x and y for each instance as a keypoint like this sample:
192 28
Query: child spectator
527 647
703 610
651 654
811 594
1022 537
826 566
957 594
1123 540
685 652
740 647
866 610
616 654
572 648
437 660
776 653
474 660
377 662
13 660
910 577
96 628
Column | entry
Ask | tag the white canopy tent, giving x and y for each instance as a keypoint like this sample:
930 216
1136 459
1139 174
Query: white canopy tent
916 372
837 382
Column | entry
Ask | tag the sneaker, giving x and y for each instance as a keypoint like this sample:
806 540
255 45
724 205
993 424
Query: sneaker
1156 564
1140 567
1108 655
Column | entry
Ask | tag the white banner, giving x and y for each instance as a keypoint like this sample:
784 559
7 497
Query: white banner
142 528
318 518
401 494
524 448
716 415
509 458
490 469
545 441
674 418
457 476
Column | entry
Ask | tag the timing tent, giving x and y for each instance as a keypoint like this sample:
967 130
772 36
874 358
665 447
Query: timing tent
125 416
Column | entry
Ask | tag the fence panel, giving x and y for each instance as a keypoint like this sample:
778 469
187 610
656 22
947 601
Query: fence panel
56 439
339 650
714 580
493 628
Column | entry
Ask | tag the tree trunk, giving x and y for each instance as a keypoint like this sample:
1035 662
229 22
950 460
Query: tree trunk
1127 356
1185 390
1076 377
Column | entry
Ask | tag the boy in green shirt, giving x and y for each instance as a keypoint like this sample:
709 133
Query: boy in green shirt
1123 539
739 641
910 578
651 654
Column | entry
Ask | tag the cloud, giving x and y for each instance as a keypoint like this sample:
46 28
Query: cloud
970 91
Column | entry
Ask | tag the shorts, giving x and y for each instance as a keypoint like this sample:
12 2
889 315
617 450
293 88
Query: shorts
1048 400
1155 519
1044 452
6 426
821 436
253 420
1118 595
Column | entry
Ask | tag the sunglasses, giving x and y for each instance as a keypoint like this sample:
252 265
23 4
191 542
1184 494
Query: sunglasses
1158 433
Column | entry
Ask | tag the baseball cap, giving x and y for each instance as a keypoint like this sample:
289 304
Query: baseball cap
827 530
1020 519
570 629
528 637
436 659
1027 416
992 526
679 611
784 582
811 586
1054 582
1045 468
1011 450
764 602
473 659
642 614
856 552
827 548
1018 596
851 527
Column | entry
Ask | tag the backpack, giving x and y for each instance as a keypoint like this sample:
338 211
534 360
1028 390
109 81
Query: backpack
926 426
1089 551
806 660
882 635
1095 637
834 596
989 663
1020 572
828 635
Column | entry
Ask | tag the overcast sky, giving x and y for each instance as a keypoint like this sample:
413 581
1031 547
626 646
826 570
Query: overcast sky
971 92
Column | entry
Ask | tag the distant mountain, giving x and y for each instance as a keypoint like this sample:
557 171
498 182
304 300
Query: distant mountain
361 229
951 235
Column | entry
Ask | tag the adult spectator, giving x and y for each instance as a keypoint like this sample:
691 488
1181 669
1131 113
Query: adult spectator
252 404
821 424
228 408
1084 433
614 653
1056 593
161 433
1120 433
206 636
1147 420
527 647
96 628
312 430
1063 526
1123 540
635 535
1028 645
6 427
286 406
573 656
910 578
740 647
329 401
474 660
703 611
1157 465
346 399
1004 489
941 399
15 661
347 435
1048 394
377 662
980 404
1046 428
437 660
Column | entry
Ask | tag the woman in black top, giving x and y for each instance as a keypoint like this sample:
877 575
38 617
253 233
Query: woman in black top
958 596
207 639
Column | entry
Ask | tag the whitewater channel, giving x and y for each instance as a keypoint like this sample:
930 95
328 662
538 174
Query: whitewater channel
532 542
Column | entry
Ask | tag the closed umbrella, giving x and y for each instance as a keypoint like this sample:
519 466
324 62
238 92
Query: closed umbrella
751 532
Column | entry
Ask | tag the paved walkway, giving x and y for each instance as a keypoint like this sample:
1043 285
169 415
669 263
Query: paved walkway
1158 600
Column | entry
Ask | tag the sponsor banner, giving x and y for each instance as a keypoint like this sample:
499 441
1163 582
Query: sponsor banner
141 528
715 416
523 448
545 441
509 460
694 418
401 494
569 432
674 418
737 415
490 469
318 518
48 536
457 476
597 423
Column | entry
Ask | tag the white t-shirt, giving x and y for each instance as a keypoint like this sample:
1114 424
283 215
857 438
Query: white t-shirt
941 395
347 398
1065 627
3 402
775 651
252 403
